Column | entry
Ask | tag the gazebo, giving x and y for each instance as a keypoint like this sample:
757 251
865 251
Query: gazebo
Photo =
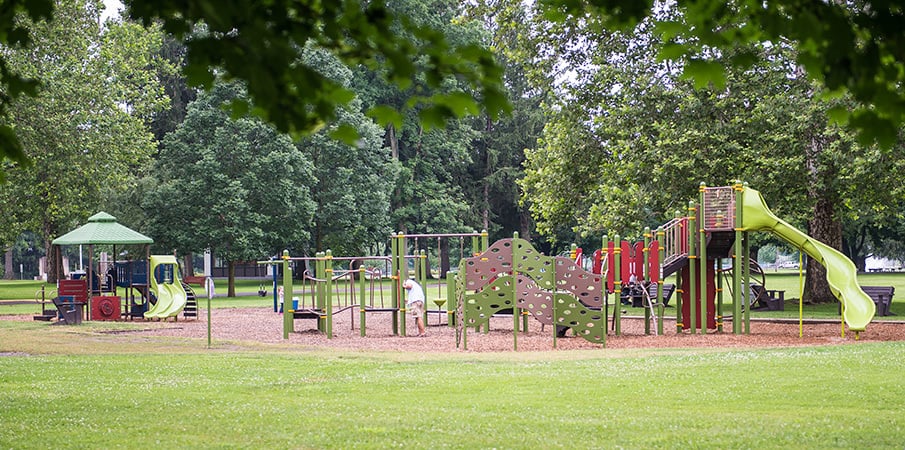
101 229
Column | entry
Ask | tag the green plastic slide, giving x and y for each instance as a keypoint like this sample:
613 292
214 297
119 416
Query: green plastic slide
840 271
167 287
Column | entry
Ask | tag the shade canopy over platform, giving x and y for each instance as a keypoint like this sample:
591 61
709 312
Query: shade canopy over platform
102 228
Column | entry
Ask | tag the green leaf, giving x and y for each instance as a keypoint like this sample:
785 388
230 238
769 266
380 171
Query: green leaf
672 51
386 115
703 73
460 103
345 133
839 115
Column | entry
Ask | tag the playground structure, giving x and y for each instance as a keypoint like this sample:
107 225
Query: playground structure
512 275
113 290
330 290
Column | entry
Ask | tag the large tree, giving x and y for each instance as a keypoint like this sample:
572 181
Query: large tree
351 183
236 186
85 131
630 142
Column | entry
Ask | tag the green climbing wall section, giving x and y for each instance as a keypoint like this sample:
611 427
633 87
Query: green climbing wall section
554 290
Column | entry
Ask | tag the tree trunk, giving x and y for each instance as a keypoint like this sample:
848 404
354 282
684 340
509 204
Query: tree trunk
444 257
854 247
823 227
393 142
231 270
354 266
8 265
188 266
525 223
54 262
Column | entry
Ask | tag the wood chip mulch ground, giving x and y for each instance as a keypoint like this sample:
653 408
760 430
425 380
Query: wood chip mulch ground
263 325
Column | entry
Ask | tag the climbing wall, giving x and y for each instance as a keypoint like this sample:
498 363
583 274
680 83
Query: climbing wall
494 297
587 286
587 323
493 262
555 291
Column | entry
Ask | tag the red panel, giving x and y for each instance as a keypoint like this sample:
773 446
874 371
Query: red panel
78 289
686 295
638 261
625 270
105 308
653 262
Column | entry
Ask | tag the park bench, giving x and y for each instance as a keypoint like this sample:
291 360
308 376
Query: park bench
194 280
882 297
668 289
769 299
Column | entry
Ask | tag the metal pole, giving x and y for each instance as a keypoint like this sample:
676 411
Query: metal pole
361 300
702 244
736 262
328 301
209 286
660 307
288 316
644 277
394 280
617 286
514 275
692 269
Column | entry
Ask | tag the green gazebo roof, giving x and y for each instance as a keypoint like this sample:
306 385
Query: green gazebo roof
102 228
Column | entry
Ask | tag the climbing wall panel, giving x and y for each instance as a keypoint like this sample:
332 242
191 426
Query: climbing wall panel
586 323
533 264
496 296
537 301
586 286
493 262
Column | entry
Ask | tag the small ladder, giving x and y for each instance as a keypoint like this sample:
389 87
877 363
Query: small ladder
191 304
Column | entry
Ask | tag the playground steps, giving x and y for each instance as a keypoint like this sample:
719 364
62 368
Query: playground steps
191 303
674 266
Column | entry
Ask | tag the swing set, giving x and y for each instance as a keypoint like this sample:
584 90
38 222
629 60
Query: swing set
331 290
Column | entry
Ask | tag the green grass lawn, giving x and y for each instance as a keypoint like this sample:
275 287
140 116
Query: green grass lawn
84 388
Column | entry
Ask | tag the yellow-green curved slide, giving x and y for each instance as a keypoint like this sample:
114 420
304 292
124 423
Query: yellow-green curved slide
840 271
167 287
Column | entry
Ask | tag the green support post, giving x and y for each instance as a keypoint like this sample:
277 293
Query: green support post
485 241
662 250
320 294
475 246
605 298
644 277
692 269
514 275
702 244
450 296
736 262
680 288
394 278
361 299
288 313
403 275
617 285
422 272
328 301
746 261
